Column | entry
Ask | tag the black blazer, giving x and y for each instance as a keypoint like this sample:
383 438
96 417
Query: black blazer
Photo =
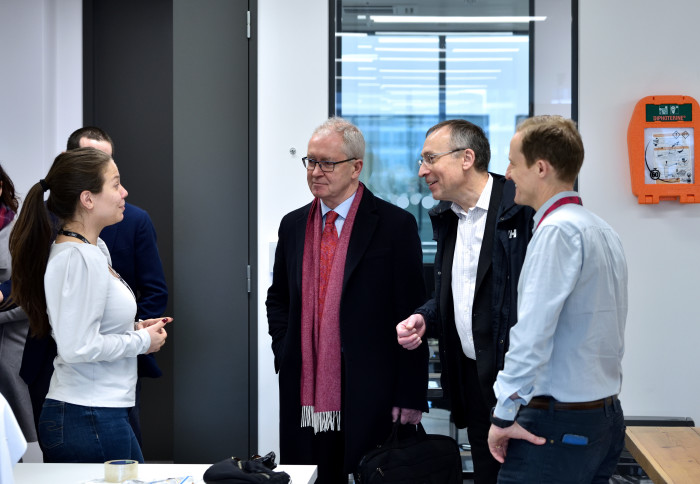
382 284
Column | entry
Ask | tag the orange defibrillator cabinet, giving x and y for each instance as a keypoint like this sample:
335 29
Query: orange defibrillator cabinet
661 146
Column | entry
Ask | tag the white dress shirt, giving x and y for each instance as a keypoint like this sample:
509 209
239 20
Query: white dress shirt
342 210
470 235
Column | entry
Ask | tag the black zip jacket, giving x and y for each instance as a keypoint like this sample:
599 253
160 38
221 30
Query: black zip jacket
507 233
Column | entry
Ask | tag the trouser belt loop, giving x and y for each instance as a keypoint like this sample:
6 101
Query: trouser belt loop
610 406
551 406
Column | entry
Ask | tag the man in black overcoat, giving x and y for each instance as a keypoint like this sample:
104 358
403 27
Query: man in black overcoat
343 330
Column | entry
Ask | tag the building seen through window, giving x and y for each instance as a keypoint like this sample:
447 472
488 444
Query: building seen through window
399 71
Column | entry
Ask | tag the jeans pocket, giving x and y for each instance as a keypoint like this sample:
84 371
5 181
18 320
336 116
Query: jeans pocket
51 424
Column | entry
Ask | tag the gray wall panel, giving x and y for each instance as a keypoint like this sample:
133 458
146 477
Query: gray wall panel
210 229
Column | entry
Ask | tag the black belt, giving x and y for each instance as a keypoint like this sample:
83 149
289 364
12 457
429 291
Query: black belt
543 403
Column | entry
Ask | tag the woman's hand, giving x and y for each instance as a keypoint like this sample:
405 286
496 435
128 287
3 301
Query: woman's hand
156 331
150 322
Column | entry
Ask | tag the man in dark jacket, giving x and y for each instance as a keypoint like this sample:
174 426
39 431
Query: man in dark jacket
342 377
482 237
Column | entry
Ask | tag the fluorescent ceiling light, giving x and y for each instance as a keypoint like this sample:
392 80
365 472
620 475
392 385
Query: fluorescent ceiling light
433 78
519 39
407 40
431 86
431 94
409 49
422 33
449 71
451 59
470 78
421 19
357 58
493 49
357 78
366 68
350 34
411 78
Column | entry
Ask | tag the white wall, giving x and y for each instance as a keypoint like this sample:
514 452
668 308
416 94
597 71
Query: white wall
292 101
553 58
41 99
40 86
629 50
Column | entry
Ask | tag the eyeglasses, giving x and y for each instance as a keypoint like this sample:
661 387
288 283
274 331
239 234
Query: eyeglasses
430 159
326 166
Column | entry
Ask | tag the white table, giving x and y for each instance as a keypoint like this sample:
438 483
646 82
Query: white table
79 473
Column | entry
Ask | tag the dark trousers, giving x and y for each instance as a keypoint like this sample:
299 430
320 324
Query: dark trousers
589 457
328 449
478 423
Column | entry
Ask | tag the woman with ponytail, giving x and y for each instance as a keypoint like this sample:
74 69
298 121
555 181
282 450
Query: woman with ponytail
69 290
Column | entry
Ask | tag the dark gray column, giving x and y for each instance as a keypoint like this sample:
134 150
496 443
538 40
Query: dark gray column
210 205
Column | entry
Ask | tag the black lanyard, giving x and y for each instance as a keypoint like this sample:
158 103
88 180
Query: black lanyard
68 233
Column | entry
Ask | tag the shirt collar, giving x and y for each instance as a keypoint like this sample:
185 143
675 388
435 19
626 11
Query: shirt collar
549 203
342 209
482 203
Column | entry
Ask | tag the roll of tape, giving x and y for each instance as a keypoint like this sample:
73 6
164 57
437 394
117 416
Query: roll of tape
121 470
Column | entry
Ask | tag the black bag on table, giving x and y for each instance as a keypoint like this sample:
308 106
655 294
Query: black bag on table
418 459
237 471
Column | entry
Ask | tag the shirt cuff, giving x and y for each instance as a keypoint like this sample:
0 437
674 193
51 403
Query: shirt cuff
507 410
499 422
145 340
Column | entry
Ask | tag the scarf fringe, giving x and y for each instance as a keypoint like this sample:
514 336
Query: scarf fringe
320 421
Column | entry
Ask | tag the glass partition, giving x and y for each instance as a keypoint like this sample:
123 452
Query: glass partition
395 81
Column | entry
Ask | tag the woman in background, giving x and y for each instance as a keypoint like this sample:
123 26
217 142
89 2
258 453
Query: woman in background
69 289
14 324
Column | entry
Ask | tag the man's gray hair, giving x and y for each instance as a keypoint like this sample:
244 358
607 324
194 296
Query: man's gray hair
353 141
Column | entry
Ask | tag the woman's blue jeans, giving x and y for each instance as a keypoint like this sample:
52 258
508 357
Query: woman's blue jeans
73 433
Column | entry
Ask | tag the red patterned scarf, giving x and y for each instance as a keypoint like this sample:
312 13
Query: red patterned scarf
6 216
320 336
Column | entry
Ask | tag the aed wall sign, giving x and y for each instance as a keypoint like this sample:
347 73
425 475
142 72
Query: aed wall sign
661 147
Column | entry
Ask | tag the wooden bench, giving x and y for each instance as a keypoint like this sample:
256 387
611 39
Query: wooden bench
667 454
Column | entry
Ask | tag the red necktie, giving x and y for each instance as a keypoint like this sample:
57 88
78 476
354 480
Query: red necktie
329 240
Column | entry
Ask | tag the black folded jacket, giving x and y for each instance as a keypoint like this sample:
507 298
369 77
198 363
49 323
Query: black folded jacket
236 471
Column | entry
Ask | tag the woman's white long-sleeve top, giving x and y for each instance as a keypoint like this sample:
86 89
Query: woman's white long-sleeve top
91 313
